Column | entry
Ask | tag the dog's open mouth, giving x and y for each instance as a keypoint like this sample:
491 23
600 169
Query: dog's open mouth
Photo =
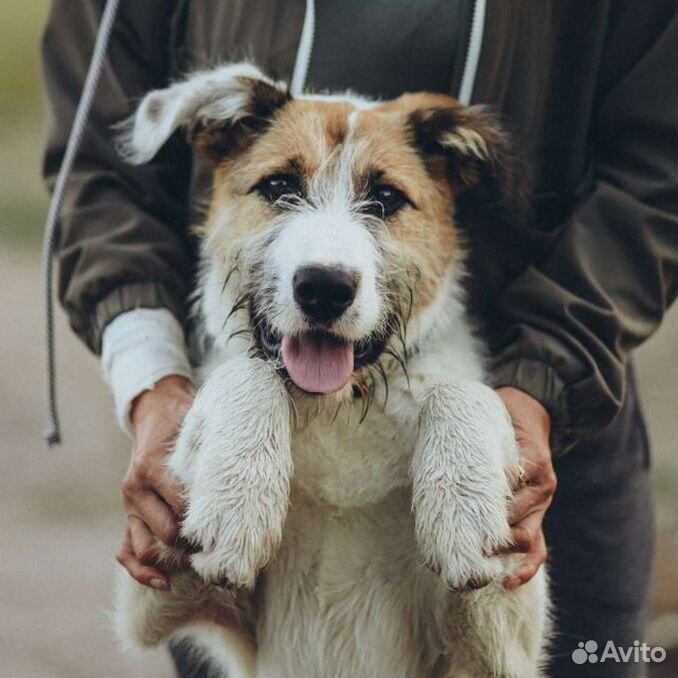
318 361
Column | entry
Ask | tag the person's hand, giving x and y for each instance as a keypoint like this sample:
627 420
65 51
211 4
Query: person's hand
152 497
537 485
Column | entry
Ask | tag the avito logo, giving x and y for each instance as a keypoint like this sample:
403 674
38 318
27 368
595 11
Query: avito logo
638 653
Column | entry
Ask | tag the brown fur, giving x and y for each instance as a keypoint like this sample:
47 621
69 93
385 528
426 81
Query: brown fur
300 137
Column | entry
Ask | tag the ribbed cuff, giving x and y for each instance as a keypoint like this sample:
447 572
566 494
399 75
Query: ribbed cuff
540 381
148 295
139 348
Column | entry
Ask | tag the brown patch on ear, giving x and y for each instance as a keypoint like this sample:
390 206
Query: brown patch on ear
480 153
266 99
218 140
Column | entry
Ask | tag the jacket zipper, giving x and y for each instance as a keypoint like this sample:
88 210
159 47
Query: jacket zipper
475 44
304 51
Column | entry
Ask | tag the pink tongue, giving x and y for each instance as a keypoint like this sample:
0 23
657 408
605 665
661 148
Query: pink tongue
317 362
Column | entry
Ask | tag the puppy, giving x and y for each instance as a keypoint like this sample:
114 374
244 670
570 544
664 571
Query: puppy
345 465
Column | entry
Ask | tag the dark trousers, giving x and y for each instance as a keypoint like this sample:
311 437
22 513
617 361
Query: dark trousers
600 536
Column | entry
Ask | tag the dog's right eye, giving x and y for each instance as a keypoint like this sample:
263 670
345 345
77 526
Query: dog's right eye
279 186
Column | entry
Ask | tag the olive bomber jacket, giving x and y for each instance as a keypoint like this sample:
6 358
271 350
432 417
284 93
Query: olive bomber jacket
589 90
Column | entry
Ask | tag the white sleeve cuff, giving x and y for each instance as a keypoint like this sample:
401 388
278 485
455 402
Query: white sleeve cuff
139 348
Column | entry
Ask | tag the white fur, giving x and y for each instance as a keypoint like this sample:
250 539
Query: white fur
237 492
455 458
363 540
329 236
215 95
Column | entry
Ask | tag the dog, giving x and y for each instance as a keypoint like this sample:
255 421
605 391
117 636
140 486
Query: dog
347 468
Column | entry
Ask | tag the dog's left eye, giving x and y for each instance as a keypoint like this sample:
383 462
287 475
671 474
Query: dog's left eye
385 201
279 186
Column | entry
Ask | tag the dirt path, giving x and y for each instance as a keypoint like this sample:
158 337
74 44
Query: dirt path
59 510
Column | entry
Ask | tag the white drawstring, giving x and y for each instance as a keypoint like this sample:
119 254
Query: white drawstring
473 52
52 434
304 51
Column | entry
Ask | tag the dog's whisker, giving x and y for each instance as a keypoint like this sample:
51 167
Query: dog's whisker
227 279
240 303
380 367
239 333
399 359
336 412
408 316
365 396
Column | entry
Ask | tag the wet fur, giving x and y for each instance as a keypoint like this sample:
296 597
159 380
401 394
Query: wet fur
351 534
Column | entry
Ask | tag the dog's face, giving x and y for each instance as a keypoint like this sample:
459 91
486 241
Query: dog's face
331 223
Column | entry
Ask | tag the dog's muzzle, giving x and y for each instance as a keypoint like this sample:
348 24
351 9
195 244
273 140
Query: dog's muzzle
319 360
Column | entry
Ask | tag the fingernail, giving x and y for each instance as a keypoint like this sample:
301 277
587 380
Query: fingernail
159 584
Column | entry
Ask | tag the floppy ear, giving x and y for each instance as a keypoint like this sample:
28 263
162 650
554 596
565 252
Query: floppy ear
216 106
479 151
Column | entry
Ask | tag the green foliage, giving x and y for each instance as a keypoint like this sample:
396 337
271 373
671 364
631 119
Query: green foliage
22 198
21 24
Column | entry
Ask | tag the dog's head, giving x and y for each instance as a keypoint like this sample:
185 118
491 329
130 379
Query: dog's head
331 224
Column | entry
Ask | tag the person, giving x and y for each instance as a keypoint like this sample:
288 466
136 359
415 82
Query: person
588 92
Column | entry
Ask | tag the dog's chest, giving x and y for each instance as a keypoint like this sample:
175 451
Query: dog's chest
345 462
347 569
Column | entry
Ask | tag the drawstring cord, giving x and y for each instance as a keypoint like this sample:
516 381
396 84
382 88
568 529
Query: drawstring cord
304 51
475 44
52 435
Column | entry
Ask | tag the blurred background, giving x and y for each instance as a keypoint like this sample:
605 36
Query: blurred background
60 510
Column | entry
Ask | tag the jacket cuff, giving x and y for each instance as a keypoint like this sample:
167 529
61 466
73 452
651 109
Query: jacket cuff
140 348
128 298
542 382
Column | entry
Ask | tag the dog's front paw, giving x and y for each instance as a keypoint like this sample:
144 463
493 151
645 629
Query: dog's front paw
460 490
234 539
460 551
234 455
460 527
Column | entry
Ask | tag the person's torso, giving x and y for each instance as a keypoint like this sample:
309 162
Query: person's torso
538 67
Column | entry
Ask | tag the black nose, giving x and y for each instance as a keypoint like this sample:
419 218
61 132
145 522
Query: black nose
324 293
